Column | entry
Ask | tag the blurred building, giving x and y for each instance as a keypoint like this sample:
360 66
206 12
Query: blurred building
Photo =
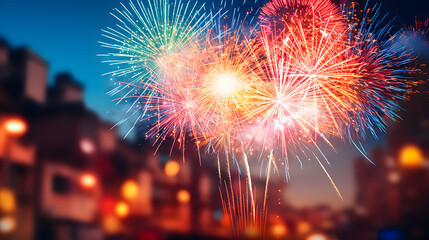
393 194
69 176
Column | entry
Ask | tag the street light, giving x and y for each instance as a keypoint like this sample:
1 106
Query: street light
172 168
88 181
411 157
130 190
7 200
15 126
122 209
279 230
183 196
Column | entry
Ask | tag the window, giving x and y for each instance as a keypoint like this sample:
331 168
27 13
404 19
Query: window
60 184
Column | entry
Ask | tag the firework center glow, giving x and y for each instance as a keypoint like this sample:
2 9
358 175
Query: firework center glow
227 84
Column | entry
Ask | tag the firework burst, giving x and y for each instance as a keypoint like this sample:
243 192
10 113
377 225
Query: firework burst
308 71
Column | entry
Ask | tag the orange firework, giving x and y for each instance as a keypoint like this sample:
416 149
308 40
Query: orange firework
308 72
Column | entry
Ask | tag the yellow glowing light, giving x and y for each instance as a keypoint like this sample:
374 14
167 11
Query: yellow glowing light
227 84
7 200
15 126
130 190
279 230
411 157
7 224
122 209
172 168
183 196
88 180
317 236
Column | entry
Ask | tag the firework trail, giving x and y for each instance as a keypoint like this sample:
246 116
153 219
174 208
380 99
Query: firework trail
384 76
280 79
149 37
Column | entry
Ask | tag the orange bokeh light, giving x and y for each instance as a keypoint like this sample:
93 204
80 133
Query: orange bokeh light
317 236
303 227
172 168
130 190
183 196
111 224
7 200
279 230
252 231
411 157
15 126
88 180
122 209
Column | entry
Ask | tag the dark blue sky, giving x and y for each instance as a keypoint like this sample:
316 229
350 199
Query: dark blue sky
65 33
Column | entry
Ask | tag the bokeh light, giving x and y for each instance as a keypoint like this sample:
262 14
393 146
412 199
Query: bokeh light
16 126
7 200
7 224
111 224
88 181
279 230
411 157
122 209
317 236
303 227
87 146
183 196
130 190
172 168
252 231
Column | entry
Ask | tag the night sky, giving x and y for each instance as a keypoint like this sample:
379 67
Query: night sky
65 33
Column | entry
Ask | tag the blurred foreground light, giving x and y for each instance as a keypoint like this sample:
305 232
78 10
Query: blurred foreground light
411 157
122 209
303 227
252 231
279 230
172 168
88 180
183 196
225 221
7 200
150 235
87 146
317 236
15 126
107 205
111 224
394 177
129 190
7 224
